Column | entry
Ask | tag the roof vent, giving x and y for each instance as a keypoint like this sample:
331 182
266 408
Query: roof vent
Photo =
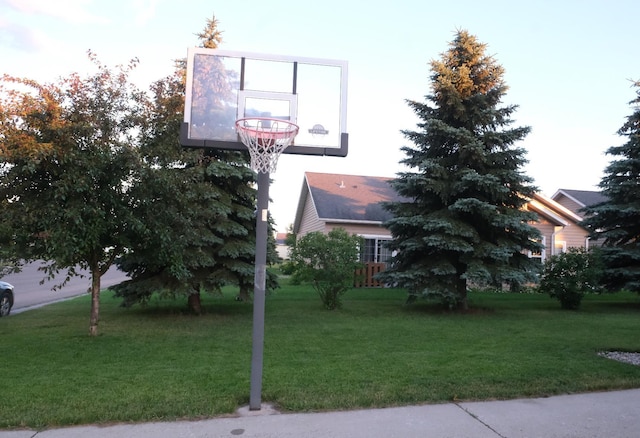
342 186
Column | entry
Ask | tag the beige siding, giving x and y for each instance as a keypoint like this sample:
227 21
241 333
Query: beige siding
573 235
283 251
546 229
569 204
310 221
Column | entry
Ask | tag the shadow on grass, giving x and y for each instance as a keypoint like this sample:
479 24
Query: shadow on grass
436 308
211 306
619 305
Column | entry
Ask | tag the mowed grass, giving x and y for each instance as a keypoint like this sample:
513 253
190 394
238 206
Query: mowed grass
160 363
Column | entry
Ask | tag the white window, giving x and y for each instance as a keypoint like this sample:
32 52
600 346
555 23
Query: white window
539 255
374 250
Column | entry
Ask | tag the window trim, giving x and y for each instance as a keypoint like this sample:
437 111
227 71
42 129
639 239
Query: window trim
543 251
377 238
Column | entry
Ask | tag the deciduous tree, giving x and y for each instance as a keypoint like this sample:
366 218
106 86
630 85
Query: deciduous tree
68 163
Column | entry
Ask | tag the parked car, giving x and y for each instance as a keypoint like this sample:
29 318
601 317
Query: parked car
6 298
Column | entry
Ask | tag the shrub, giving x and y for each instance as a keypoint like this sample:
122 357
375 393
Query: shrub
570 275
287 267
328 262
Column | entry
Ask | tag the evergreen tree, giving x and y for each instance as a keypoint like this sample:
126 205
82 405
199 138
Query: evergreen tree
199 206
463 220
616 222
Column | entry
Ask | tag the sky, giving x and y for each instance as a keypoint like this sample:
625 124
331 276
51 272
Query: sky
569 65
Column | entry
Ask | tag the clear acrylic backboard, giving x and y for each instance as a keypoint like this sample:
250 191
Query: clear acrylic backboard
224 86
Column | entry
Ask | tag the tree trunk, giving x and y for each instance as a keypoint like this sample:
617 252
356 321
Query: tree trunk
244 294
462 294
95 300
194 303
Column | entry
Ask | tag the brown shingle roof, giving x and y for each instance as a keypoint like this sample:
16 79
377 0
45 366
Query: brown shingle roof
350 197
585 197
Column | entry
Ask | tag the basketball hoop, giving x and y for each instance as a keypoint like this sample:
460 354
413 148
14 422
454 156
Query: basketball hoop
265 138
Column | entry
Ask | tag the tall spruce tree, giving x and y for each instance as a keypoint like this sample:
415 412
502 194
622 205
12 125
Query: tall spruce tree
463 221
199 206
616 222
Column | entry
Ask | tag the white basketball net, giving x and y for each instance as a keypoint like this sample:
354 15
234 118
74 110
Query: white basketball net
265 138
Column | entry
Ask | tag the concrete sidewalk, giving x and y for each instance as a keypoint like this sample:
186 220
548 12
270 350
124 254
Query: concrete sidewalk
606 414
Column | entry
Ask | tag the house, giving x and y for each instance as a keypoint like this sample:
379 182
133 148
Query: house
353 202
281 245
559 226
576 200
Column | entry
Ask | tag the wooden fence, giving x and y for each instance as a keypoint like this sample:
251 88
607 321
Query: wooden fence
364 276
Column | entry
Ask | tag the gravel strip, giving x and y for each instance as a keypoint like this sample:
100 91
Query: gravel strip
622 356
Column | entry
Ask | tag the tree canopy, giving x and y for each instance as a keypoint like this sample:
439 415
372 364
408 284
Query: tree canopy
616 222
69 160
199 205
92 172
464 220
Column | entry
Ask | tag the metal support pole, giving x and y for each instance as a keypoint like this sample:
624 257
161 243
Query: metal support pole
259 288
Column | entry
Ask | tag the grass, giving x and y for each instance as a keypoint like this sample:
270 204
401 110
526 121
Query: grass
159 363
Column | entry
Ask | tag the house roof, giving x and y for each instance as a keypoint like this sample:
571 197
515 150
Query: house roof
358 199
585 198
553 211
281 238
352 198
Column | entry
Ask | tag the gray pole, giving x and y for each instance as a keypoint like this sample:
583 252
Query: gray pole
259 287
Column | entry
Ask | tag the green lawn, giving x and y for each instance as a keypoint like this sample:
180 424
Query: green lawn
158 363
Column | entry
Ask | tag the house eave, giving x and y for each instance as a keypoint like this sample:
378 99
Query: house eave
557 207
350 221
541 209
565 194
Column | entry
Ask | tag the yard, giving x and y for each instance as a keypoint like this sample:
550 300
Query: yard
159 363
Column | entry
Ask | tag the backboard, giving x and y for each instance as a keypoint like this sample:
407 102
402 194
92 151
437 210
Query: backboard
224 86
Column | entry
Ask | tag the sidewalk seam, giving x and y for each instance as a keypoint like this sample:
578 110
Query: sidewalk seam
475 417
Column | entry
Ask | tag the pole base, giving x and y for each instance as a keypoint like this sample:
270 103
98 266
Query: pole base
265 409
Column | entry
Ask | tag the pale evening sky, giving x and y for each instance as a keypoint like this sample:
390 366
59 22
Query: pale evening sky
568 65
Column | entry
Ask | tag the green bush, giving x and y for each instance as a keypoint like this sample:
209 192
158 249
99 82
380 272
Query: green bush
328 262
287 267
570 275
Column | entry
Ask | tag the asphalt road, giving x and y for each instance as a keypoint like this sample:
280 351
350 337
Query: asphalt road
29 293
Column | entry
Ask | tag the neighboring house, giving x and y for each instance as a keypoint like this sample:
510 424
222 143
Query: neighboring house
558 225
281 246
576 200
353 202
